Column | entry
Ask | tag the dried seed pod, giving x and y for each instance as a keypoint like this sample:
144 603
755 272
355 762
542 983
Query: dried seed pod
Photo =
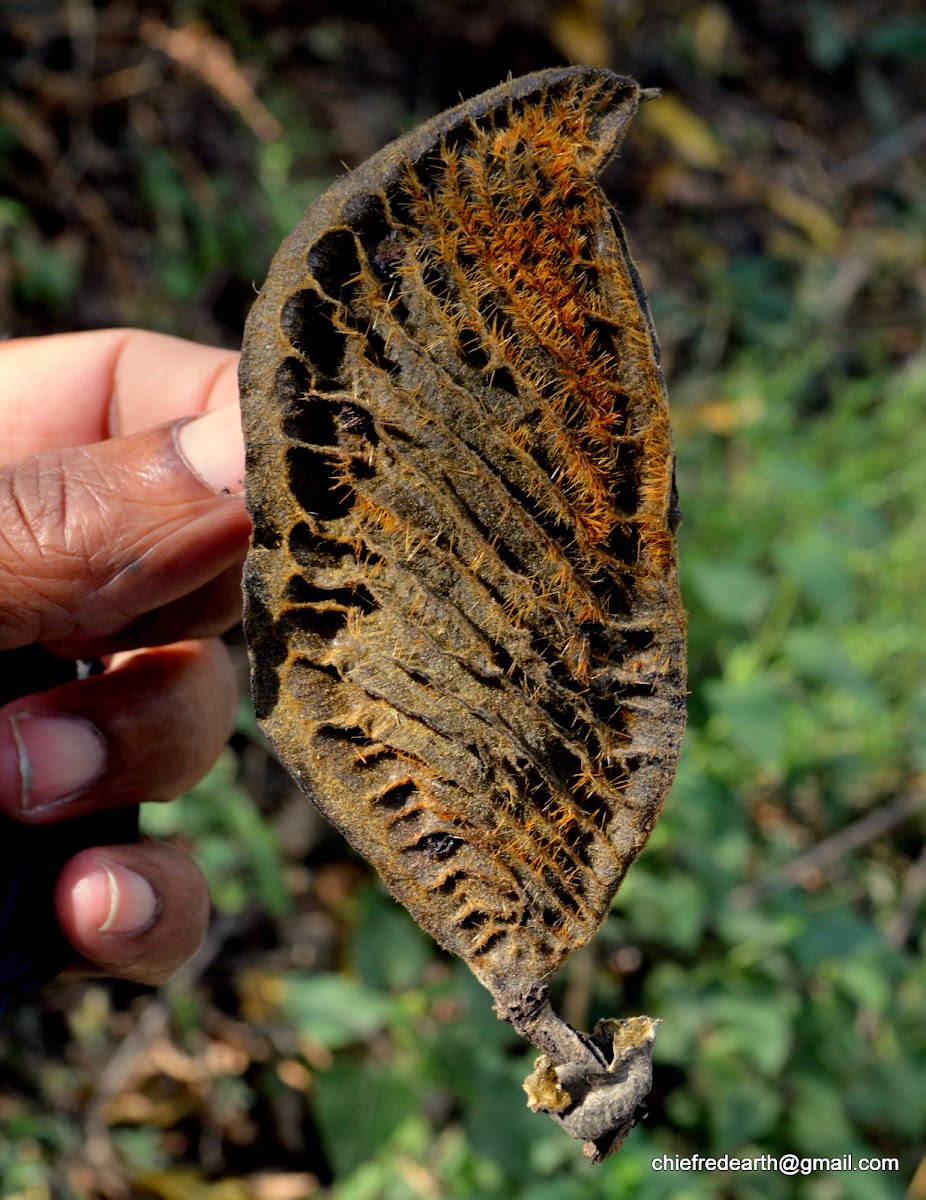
463 615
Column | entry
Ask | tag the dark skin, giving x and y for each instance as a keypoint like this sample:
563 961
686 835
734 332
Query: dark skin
122 534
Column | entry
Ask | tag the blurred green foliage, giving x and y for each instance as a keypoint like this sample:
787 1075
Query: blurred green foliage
326 1042
237 850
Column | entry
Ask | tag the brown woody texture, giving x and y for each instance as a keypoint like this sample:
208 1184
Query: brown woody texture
463 614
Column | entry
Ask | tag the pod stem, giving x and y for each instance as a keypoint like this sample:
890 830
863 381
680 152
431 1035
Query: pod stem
593 1085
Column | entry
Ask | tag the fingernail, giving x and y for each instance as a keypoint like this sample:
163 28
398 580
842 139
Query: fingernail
113 899
213 448
58 757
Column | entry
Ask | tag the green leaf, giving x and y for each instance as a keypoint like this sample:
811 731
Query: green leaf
816 561
236 848
389 951
863 980
751 1025
835 935
664 911
360 1108
46 272
818 657
499 1125
903 37
817 1116
732 591
750 714
740 1105
333 1010
887 1095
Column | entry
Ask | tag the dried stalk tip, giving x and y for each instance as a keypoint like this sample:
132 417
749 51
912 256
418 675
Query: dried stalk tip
600 1098
462 607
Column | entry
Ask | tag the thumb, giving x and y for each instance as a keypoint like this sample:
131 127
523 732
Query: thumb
92 536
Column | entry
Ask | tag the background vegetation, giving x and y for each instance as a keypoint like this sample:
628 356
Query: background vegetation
151 157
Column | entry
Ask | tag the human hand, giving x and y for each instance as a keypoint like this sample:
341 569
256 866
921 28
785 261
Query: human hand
122 533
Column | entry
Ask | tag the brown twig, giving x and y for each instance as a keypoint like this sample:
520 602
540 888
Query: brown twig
211 59
866 829
98 1148
911 896
875 159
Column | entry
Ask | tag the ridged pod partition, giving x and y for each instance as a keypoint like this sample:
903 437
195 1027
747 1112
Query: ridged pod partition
463 614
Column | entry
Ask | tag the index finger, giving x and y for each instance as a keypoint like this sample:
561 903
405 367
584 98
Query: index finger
73 389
